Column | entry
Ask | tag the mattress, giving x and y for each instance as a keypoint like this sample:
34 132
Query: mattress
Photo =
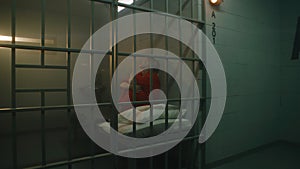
143 129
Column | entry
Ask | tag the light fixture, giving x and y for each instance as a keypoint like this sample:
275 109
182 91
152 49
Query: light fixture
127 2
26 40
215 2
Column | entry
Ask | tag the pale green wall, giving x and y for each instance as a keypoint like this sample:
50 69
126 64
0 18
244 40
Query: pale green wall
248 44
290 113
254 40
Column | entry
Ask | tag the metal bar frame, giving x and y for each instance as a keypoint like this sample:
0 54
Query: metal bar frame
69 107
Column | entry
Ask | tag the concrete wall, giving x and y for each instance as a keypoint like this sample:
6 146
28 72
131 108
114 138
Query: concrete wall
248 44
254 40
290 113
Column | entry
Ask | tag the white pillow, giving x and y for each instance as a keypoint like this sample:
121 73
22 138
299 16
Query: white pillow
143 113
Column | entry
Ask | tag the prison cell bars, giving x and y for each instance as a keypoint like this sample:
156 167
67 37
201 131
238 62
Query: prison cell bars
203 102
13 84
180 71
93 148
134 161
14 109
151 83
114 61
70 126
167 109
43 93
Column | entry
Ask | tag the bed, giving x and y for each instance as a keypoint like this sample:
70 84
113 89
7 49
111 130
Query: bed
143 129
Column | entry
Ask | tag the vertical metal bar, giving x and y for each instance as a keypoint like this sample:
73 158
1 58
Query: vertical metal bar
151 106
151 72
167 66
180 7
203 145
13 85
43 135
70 126
192 9
151 110
180 69
92 69
43 32
167 94
204 77
166 119
203 13
134 70
195 69
151 87
115 46
135 82
114 121
180 65
194 142
117 50
167 113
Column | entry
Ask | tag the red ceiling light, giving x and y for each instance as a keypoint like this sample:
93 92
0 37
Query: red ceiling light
215 2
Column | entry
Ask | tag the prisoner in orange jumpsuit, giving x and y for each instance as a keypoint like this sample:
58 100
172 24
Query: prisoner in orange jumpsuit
142 87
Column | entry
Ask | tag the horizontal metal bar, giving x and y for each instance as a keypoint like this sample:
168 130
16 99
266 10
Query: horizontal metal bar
91 51
46 48
40 66
159 57
39 90
87 158
160 101
25 109
104 1
39 48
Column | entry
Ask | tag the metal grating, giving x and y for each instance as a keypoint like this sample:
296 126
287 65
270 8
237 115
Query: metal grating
14 110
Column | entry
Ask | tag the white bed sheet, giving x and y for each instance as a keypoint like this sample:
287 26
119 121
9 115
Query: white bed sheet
125 125
144 130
